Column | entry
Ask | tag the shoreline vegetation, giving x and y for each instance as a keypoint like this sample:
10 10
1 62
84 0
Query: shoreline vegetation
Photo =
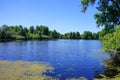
109 39
108 16
112 71
20 70
40 32
111 44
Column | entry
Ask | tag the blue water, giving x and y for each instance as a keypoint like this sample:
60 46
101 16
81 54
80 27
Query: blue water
70 58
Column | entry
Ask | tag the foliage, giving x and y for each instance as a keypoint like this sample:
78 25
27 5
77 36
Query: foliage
72 35
87 35
109 16
40 32
111 44
111 41
31 30
20 32
104 31
19 37
95 35
111 72
109 11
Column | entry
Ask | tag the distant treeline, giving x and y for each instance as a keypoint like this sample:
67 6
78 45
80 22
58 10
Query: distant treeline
40 32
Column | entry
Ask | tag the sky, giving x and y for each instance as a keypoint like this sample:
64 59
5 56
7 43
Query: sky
61 15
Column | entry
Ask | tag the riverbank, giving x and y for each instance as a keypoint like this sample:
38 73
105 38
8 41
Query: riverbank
112 71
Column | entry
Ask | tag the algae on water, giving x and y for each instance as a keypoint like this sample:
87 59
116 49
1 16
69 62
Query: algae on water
20 70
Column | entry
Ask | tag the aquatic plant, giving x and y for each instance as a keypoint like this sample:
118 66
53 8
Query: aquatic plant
20 70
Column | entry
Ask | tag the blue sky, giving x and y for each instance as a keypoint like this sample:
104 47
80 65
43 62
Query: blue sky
62 15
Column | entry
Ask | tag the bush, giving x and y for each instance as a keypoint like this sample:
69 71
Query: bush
19 37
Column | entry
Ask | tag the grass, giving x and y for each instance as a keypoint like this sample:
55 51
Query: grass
20 70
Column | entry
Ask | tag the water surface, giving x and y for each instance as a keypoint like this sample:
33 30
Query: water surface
70 58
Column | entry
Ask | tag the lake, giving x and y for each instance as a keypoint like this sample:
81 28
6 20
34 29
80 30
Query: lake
70 58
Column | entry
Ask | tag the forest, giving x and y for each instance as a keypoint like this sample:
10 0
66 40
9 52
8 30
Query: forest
19 32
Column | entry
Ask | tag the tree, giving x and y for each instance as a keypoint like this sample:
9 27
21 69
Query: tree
23 33
2 34
31 29
5 27
5 35
102 33
55 34
26 29
87 35
39 34
111 43
95 36
108 16
71 35
44 30
37 30
109 11
78 35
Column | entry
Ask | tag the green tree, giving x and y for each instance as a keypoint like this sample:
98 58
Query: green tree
5 27
39 34
111 43
5 34
31 29
37 30
23 33
109 11
2 34
26 29
71 35
55 34
78 36
96 35
44 30
87 35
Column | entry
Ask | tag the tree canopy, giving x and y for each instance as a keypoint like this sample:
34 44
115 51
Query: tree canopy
109 16
111 41
40 32
109 11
